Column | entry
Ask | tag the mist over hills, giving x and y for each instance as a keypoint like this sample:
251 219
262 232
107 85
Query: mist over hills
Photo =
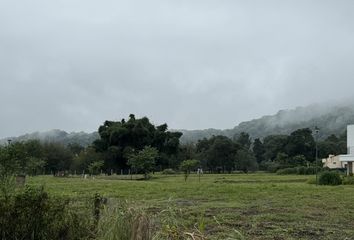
331 119
56 135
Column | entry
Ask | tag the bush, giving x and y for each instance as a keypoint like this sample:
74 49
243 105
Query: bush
329 178
349 180
302 170
168 171
31 214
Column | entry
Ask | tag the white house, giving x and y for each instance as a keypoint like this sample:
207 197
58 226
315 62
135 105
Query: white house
348 159
333 162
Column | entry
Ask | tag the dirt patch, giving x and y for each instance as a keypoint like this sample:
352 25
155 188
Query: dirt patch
310 233
210 212
266 225
251 211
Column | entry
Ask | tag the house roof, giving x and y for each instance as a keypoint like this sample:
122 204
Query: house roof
346 158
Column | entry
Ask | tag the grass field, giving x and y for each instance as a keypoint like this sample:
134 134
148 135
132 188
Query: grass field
249 206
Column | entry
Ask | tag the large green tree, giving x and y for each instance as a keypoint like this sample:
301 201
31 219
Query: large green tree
273 145
187 151
57 156
258 150
118 140
87 156
245 161
332 145
244 140
301 142
217 153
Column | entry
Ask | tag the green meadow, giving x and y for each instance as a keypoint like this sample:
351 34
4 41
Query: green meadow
225 206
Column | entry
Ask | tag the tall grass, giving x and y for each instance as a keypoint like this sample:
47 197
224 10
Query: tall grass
32 214
120 222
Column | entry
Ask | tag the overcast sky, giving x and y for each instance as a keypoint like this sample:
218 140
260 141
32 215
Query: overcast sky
71 64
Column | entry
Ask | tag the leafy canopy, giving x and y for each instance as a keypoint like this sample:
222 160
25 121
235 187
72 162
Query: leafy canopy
187 166
144 160
120 139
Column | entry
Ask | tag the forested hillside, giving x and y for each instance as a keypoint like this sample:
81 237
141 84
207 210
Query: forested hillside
330 120
59 136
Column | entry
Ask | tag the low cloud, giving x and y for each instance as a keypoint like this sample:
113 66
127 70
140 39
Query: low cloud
73 64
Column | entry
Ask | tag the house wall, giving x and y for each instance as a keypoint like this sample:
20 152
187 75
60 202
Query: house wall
345 166
348 159
350 139
333 162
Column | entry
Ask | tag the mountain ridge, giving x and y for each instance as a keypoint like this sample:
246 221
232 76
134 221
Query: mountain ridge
330 119
57 135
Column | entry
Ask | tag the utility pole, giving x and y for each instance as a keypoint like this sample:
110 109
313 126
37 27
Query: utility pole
317 131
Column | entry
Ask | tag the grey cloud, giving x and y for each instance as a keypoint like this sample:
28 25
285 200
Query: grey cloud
193 64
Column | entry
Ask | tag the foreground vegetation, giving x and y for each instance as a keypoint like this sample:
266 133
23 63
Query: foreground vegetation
235 206
141 205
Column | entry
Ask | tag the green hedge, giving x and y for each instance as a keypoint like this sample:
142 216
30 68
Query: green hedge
329 178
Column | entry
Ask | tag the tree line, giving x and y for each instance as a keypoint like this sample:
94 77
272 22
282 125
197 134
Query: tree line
137 145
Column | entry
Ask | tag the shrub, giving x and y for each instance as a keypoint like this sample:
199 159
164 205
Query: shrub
187 166
168 171
349 180
31 214
329 178
302 170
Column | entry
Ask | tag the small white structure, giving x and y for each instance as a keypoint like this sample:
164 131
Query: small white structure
333 162
348 159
